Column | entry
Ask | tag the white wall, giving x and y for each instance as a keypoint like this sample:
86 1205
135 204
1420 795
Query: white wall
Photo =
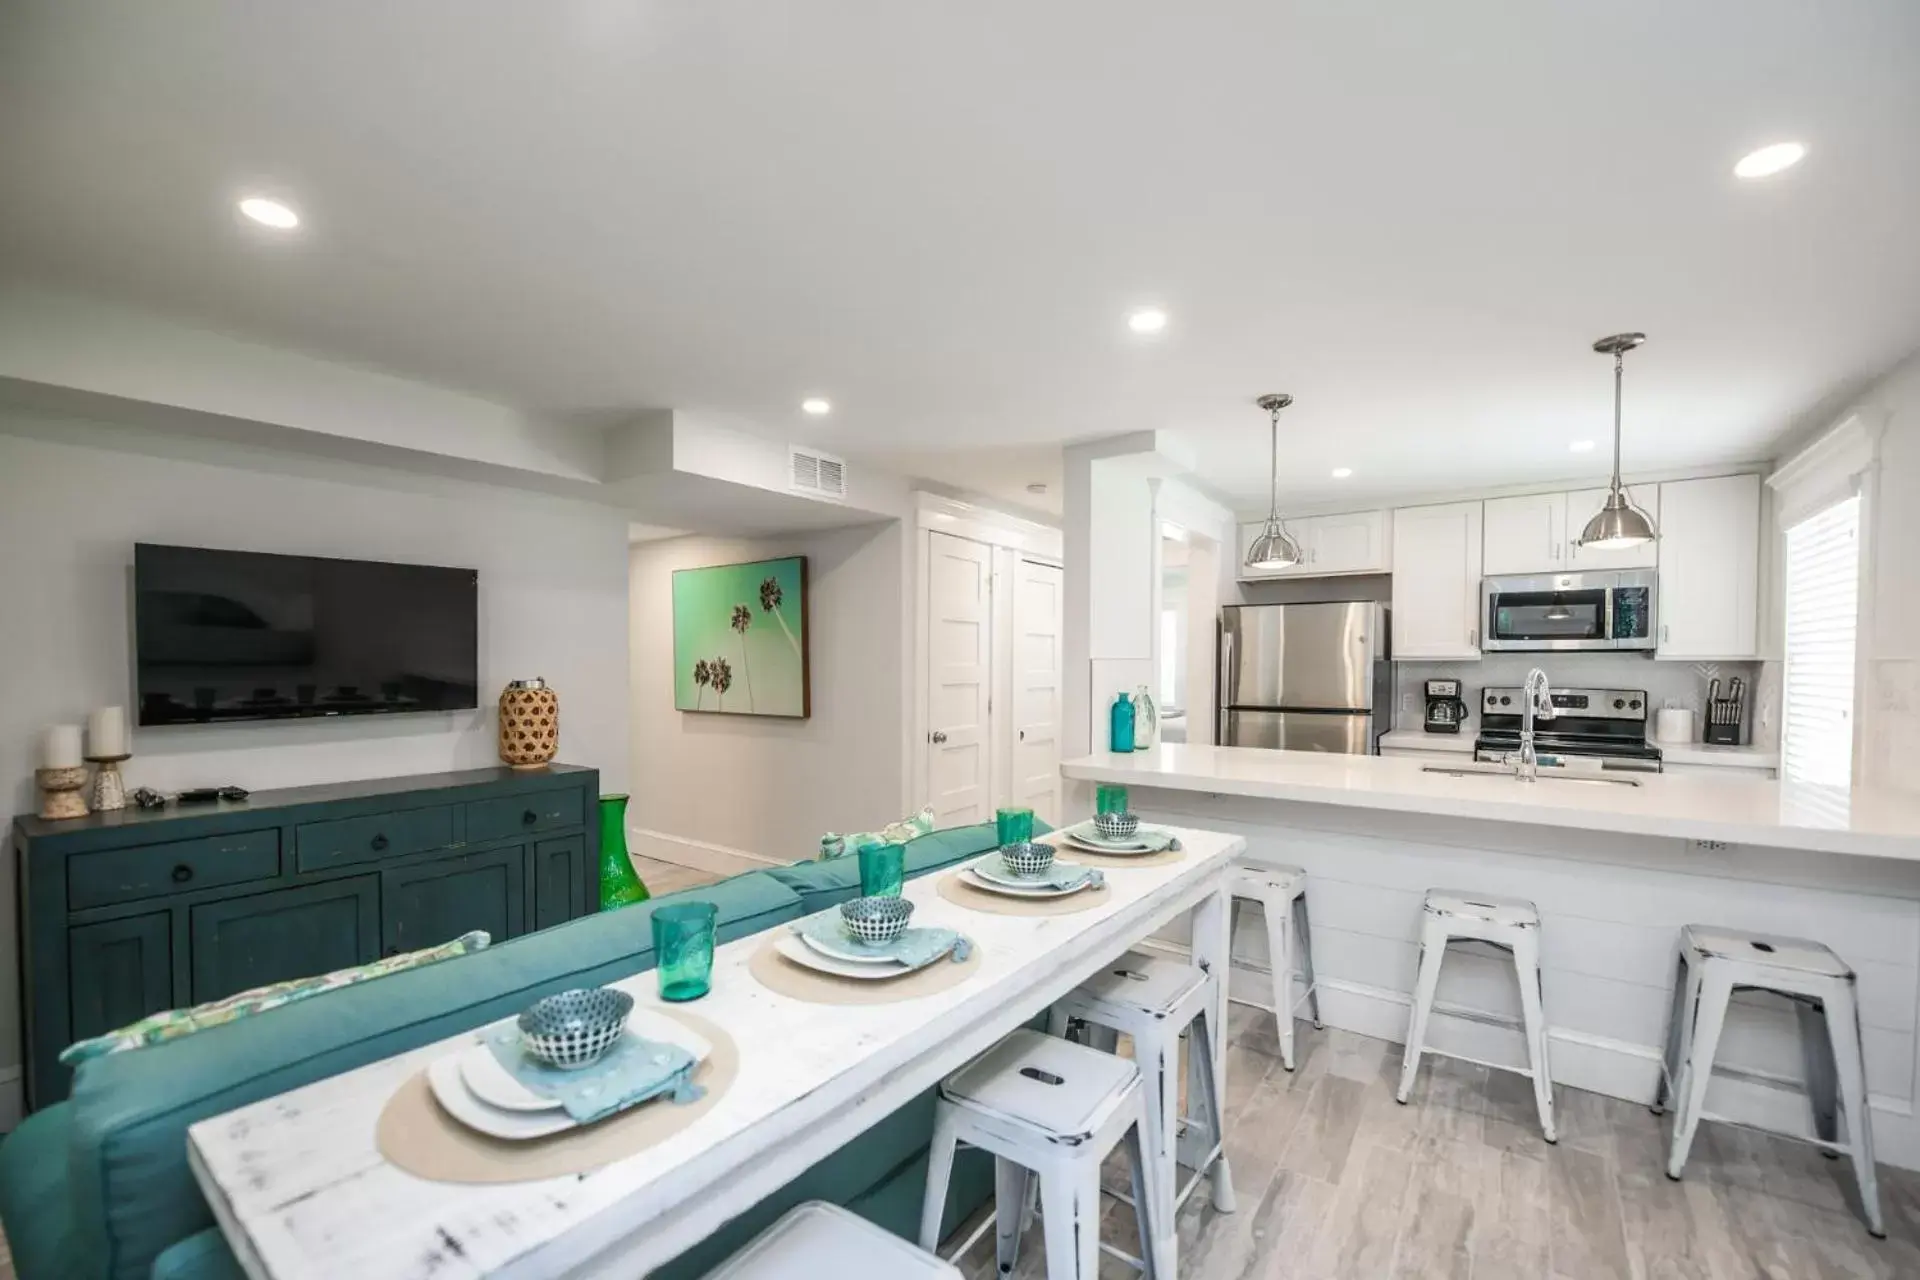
1889 650
75 497
761 786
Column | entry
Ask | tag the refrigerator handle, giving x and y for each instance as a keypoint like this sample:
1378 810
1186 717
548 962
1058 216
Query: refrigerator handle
1220 687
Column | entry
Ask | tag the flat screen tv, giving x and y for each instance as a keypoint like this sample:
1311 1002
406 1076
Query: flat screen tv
237 635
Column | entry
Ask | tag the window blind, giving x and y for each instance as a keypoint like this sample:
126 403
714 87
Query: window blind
1823 609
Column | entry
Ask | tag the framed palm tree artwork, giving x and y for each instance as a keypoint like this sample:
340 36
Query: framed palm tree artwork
740 639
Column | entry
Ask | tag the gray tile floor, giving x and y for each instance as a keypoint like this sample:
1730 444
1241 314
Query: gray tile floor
1336 1180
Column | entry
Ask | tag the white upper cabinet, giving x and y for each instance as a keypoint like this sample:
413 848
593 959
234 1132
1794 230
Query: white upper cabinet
1582 506
1527 535
1709 558
1355 542
1436 581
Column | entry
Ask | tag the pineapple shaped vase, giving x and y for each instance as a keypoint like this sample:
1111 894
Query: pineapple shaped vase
529 724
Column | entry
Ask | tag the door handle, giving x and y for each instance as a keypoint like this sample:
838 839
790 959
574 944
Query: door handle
1473 638
937 737
1023 735
1663 633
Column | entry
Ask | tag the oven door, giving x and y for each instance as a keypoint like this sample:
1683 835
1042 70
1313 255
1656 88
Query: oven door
1556 611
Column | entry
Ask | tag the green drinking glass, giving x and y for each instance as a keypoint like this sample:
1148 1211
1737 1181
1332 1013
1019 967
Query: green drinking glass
1110 797
1012 826
683 948
883 870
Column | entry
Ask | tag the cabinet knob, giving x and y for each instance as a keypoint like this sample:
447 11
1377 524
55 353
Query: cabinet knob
182 873
528 818
379 843
939 736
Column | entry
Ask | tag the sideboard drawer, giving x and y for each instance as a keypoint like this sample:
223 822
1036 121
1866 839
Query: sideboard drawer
320 845
180 866
533 812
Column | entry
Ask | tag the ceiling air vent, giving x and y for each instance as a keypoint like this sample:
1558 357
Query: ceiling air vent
816 474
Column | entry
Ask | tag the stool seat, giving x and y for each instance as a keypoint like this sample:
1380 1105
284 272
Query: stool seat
1772 951
1146 984
819 1239
1462 904
1056 1087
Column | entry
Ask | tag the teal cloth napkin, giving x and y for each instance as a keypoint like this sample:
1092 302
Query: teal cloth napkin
916 948
635 1070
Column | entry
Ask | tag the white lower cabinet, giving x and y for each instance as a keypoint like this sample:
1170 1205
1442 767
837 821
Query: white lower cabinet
1709 550
1436 581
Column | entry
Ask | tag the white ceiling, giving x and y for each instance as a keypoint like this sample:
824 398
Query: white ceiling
1415 219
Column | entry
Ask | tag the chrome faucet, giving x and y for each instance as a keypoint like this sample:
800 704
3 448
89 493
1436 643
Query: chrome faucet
1536 701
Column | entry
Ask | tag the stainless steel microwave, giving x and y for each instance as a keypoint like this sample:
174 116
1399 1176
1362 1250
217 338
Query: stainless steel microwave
1565 611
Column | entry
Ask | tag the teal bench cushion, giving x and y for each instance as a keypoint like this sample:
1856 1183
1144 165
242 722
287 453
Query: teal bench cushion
132 1193
204 1256
827 884
36 1199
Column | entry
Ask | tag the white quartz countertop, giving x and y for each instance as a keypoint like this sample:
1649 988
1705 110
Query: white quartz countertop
1707 753
1730 806
1421 740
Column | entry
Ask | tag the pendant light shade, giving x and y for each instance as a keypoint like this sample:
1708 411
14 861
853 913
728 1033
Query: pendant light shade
1273 547
1618 524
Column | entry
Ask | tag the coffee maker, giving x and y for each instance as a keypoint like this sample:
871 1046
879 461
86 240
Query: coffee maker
1445 710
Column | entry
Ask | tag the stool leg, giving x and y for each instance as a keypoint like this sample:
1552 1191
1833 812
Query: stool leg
1843 1032
1070 1219
1280 962
1526 964
1011 1181
933 1204
1157 1243
1433 945
1709 1016
1676 1019
1057 1023
1303 935
1200 1082
1160 1092
1823 1083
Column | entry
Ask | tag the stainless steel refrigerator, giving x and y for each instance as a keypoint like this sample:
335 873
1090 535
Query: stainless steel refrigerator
1305 677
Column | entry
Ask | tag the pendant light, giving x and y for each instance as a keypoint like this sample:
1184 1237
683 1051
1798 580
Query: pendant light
1273 548
1618 524
1557 611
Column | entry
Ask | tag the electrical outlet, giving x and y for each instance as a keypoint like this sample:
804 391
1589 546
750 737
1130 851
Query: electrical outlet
1708 846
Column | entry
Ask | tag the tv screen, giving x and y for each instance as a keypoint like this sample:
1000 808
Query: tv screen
237 635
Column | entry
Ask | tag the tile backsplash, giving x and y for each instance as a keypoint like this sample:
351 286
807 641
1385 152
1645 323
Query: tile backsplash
1677 684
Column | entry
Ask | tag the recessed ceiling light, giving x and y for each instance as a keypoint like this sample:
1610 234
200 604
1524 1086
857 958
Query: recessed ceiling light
1768 161
815 406
1581 446
270 213
1341 473
1147 320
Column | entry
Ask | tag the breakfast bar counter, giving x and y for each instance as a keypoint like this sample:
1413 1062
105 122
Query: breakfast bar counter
1615 870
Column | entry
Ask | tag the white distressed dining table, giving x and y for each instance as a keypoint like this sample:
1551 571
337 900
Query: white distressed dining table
300 1189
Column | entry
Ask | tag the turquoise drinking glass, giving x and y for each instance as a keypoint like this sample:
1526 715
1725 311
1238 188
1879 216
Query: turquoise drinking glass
683 948
883 870
1110 798
1013 826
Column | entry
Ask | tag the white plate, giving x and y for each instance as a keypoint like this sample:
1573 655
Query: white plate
990 868
1122 848
495 1086
1008 891
825 947
796 950
450 1089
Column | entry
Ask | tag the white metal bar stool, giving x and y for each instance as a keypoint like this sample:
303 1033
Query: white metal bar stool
1713 964
1281 891
1511 924
817 1239
1051 1109
1156 1001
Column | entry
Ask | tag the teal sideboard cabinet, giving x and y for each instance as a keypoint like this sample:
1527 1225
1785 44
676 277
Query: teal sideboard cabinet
126 913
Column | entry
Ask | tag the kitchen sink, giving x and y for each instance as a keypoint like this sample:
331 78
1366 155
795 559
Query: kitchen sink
1546 773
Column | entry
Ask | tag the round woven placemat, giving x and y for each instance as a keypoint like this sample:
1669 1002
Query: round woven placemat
955 889
414 1134
777 973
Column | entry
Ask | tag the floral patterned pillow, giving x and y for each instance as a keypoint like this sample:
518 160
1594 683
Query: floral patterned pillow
171 1024
911 827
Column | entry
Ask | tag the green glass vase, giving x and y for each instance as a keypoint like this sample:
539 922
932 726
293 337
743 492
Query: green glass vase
620 885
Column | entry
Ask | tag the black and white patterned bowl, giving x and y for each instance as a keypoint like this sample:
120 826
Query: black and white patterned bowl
1026 858
1116 826
574 1029
876 921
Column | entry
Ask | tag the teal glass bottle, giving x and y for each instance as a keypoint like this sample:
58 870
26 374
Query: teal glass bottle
620 885
1120 724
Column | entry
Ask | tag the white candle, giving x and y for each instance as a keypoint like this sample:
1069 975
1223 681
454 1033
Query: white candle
60 749
107 732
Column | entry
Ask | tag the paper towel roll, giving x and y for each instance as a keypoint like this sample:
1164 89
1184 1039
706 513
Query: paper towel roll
1674 724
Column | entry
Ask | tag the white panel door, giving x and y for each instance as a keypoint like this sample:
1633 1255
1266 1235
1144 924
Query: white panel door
1526 535
1436 581
959 661
1584 504
1709 568
1036 689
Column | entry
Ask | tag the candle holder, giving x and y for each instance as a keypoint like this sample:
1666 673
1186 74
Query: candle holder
60 792
107 791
